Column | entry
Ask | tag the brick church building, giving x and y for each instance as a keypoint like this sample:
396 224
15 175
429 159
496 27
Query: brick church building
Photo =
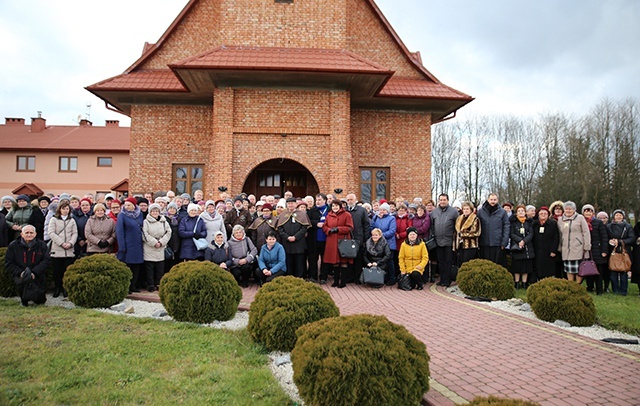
264 96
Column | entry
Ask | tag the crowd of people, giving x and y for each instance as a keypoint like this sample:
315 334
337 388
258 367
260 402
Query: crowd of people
258 239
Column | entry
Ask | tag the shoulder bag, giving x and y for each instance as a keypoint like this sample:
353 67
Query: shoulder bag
588 266
201 243
348 248
619 261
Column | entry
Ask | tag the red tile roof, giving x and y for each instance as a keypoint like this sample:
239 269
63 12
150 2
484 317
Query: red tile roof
143 80
67 138
281 59
417 88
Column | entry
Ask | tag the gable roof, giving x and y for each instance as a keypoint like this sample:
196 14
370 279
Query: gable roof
64 138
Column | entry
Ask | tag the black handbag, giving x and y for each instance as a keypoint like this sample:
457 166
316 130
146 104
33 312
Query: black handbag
32 292
168 252
431 243
373 275
348 248
587 267
403 282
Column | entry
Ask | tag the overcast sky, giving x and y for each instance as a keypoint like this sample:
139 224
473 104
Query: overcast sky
514 56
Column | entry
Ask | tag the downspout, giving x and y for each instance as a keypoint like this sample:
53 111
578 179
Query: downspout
114 109
446 118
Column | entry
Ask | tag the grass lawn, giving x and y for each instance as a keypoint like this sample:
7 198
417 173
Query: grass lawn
52 355
614 312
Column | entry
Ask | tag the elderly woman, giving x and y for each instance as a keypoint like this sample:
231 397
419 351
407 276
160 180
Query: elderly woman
218 251
377 252
63 234
546 239
213 221
191 227
522 251
173 221
243 254
261 226
413 258
271 261
129 236
19 217
100 231
621 236
8 204
468 233
603 216
599 249
81 216
387 224
575 237
156 233
531 211
557 210
337 226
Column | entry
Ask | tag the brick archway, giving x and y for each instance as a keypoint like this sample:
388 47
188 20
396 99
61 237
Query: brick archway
275 176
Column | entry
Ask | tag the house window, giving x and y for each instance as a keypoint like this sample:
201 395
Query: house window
68 164
105 161
26 164
187 178
374 184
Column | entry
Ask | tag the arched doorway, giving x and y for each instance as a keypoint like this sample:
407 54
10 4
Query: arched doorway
276 176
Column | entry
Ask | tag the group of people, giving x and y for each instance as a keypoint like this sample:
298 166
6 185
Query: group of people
260 239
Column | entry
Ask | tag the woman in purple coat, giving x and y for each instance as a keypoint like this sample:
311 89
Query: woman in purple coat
191 227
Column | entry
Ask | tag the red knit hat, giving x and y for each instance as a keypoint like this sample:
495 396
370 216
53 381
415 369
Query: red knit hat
131 200
86 199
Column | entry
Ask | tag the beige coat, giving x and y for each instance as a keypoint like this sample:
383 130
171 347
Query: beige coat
154 231
99 229
61 231
575 237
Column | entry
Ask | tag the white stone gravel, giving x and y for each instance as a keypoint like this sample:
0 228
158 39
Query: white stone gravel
596 332
284 375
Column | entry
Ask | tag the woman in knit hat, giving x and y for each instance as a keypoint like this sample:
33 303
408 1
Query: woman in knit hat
546 239
129 235
413 258
599 250
190 228
8 204
100 231
156 235
173 221
621 236
576 240
19 217
213 220
522 251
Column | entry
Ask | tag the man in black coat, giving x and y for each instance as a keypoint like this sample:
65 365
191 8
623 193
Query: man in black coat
292 226
361 233
27 252
39 215
238 215
316 238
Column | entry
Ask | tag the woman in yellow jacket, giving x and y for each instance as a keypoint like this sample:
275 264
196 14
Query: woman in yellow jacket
413 258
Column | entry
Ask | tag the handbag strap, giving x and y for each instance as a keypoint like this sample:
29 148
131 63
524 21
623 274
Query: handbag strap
590 255
196 226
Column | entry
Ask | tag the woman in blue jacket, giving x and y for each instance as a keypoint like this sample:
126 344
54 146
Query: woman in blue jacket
129 236
271 261
387 224
191 226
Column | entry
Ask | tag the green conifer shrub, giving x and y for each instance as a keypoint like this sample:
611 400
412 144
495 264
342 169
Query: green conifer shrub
481 277
283 305
554 299
7 286
359 360
497 401
200 292
97 281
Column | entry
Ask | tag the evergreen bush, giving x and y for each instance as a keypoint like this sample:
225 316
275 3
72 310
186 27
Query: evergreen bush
359 360
554 299
481 277
283 305
200 292
7 286
497 401
97 281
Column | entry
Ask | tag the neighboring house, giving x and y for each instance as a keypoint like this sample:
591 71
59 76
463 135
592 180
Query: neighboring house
263 96
37 158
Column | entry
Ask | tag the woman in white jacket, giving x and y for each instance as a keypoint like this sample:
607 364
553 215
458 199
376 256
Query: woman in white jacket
63 233
156 233
213 221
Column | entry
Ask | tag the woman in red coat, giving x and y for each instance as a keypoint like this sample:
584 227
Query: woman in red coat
337 226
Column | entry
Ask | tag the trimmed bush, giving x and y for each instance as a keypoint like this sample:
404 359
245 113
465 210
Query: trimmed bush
359 360
7 286
496 401
97 281
481 277
200 292
283 305
554 299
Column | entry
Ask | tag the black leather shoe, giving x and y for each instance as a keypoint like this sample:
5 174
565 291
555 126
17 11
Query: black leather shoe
56 292
323 281
64 293
420 287
152 288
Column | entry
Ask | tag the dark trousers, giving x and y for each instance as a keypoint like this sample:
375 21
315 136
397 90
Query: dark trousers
263 279
242 273
295 264
445 261
468 254
60 266
135 270
493 254
313 257
354 270
154 272
595 281
416 279
390 277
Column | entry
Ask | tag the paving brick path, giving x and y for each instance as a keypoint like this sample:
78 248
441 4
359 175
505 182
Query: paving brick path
479 351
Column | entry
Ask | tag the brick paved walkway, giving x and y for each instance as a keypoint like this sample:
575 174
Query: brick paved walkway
479 351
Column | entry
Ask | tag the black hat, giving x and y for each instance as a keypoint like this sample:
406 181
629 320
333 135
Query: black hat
291 199
412 230
41 198
238 198
143 200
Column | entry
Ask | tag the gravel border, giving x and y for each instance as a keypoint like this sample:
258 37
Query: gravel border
596 332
